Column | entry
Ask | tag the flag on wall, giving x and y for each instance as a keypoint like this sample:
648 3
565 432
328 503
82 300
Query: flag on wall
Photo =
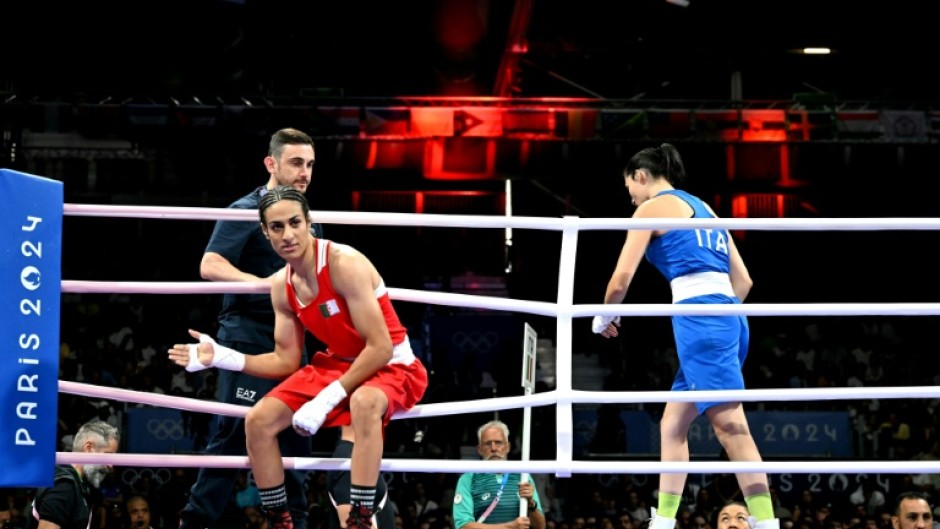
763 125
387 121
528 121
910 125
859 124
432 122
478 121
806 125
576 123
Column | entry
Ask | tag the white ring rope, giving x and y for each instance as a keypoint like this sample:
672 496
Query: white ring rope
492 221
563 397
532 467
530 307
545 398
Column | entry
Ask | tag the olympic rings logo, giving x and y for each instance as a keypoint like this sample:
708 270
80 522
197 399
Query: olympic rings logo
475 341
160 476
166 428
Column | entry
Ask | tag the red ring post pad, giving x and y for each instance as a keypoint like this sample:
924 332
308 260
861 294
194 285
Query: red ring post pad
30 297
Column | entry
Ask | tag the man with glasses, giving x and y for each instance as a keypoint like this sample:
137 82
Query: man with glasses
483 500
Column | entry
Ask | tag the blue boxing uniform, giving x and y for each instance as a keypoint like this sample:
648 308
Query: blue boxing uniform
246 324
711 349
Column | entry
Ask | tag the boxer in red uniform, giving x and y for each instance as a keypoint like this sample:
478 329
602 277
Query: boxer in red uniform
367 373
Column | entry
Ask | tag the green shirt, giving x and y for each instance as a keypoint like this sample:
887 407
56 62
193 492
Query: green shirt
476 492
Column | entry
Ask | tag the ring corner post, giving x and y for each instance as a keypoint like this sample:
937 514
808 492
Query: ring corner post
564 417
30 297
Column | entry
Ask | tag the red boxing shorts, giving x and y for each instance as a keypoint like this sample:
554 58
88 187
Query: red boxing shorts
403 383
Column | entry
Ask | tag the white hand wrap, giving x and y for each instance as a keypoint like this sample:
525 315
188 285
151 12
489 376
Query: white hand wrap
599 323
309 418
224 357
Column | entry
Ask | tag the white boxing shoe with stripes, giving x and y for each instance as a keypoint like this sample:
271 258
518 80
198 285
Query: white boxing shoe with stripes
661 522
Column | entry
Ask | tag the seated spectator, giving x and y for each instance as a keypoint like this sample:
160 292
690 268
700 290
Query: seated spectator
636 507
700 521
111 502
138 513
868 495
896 434
626 520
929 483
780 511
5 516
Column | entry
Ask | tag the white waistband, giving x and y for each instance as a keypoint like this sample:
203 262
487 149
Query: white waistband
401 354
700 284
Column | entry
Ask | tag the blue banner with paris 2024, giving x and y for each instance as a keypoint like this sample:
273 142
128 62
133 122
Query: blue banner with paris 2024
30 294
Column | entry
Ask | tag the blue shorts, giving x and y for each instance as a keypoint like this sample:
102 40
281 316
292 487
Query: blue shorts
711 350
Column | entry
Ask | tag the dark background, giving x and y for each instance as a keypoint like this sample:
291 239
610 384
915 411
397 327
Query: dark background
643 49
72 75
278 54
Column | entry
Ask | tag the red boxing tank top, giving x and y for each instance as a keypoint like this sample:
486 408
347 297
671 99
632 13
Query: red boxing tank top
327 316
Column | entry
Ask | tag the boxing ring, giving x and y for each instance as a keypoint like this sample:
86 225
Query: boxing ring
563 397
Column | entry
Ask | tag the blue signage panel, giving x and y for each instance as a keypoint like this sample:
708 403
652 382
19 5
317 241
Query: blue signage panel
777 433
787 434
30 294
158 431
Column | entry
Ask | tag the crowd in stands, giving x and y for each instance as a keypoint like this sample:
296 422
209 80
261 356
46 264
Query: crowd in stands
104 342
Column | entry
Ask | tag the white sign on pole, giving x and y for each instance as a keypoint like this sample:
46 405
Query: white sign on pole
530 338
